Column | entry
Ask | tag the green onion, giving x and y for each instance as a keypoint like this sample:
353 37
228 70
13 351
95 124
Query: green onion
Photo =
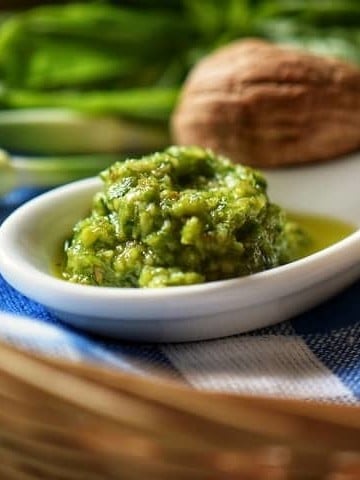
49 171
59 131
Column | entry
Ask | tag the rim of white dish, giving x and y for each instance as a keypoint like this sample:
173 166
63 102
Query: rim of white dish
10 265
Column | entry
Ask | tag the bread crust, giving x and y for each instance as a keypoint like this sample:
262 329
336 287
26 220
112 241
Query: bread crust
268 106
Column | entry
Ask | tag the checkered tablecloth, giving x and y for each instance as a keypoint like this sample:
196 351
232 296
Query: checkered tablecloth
313 356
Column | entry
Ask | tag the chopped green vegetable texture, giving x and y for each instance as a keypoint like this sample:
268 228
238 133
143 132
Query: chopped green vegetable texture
179 217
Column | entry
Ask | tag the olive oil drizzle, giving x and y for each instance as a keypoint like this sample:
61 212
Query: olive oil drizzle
323 231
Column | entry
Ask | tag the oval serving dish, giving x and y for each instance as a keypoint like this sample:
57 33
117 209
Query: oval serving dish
30 237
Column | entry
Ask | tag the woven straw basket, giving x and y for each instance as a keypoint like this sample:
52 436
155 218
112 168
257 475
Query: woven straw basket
66 421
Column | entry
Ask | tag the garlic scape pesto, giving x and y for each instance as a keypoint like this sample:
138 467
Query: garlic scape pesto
179 217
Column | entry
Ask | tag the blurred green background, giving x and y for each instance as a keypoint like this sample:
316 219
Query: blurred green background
82 84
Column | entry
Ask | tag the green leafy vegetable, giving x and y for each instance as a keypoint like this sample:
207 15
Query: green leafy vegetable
127 60
60 131
153 105
132 59
45 171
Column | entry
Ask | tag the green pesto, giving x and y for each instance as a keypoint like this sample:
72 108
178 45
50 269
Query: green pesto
179 217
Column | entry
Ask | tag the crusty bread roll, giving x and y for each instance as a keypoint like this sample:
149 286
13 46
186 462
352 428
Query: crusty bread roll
265 105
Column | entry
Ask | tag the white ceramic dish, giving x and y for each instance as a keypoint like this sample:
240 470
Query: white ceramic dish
30 236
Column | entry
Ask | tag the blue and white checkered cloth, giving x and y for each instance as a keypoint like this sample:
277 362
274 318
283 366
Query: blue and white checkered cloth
313 356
